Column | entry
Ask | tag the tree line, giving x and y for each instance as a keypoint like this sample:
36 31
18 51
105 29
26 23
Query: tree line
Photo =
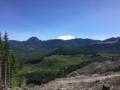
7 63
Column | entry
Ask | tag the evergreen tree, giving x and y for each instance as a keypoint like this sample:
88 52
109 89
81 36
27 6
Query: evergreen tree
6 46
12 68
1 56
7 62
1 45
7 59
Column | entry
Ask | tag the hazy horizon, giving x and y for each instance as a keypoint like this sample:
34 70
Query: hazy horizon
25 39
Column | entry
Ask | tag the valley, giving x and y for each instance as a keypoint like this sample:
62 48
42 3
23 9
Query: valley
60 59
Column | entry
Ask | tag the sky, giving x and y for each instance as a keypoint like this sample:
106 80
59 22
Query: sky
51 19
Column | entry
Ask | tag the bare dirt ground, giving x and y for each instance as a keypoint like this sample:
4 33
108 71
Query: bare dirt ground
92 82
97 67
96 76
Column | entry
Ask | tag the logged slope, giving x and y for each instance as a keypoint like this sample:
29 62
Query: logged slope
95 76
97 67
93 82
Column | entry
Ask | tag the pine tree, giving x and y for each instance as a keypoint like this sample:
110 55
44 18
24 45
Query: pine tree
7 62
12 68
6 46
1 45
7 59
1 57
3 63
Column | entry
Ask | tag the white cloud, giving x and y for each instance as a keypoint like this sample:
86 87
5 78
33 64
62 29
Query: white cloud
66 37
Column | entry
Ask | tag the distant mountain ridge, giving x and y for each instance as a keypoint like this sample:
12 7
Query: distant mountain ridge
36 43
34 48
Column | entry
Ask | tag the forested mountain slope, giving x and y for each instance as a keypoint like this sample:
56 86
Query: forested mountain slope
33 48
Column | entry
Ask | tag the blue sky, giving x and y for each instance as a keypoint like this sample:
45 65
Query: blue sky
49 19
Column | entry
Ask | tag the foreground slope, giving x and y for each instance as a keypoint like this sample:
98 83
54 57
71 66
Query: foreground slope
95 76
98 67
92 82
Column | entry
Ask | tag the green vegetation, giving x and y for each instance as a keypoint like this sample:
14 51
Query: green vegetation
36 65
24 56
116 69
33 48
56 64
72 51
7 62
52 67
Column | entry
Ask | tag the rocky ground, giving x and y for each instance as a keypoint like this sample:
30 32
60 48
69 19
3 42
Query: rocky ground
92 82
106 66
